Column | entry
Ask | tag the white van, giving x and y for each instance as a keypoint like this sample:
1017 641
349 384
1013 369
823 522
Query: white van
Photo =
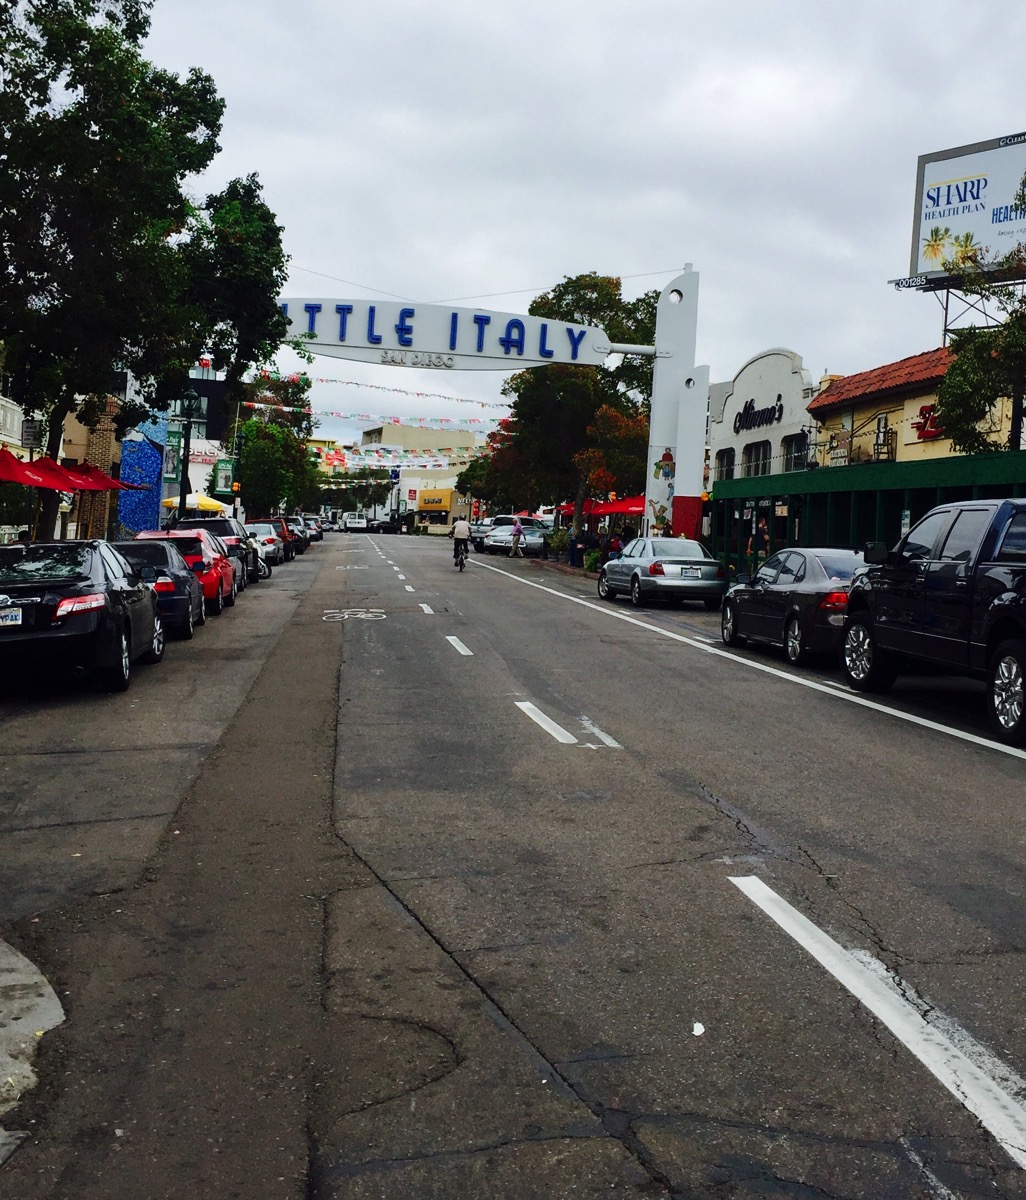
354 521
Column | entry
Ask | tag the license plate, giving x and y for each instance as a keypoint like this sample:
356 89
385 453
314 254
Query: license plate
691 572
10 616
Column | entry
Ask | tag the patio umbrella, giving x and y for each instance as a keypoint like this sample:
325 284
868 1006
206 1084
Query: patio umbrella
198 501
101 477
12 469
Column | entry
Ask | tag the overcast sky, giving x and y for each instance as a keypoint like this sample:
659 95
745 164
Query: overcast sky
481 151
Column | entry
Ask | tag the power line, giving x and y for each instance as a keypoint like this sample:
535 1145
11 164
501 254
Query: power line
476 296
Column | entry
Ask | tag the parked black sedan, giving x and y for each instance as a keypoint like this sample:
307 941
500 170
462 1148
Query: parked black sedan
73 607
179 591
797 599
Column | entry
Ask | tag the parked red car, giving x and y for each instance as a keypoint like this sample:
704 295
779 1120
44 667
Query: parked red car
213 567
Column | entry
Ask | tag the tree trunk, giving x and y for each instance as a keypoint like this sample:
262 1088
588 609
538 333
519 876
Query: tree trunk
50 500
1015 427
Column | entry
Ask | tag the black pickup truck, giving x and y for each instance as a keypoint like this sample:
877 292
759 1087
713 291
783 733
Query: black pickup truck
951 596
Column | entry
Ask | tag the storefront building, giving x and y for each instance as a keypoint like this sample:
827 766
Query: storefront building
875 460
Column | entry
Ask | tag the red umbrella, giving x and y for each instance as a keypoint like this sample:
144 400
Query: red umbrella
67 479
12 469
104 480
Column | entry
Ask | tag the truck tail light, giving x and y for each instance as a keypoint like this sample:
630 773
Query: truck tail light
657 568
834 602
74 604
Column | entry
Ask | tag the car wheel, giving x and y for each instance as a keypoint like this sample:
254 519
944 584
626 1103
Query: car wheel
156 650
241 579
187 627
712 605
118 675
794 645
1006 682
604 590
728 626
229 600
201 615
263 569
866 666
216 606
637 599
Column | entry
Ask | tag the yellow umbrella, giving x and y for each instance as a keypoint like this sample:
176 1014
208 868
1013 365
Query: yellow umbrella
196 500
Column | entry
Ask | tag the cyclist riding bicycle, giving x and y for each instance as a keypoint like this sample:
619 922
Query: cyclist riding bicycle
460 534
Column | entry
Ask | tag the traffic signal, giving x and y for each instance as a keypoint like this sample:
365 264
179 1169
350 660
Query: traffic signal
236 487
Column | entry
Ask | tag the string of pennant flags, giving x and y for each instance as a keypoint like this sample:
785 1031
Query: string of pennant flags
422 422
296 377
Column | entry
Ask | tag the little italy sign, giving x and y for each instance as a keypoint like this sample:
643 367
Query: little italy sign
437 336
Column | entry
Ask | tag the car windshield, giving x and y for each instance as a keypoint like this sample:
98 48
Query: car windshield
221 527
28 564
678 548
189 547
261 530
840 566
152 553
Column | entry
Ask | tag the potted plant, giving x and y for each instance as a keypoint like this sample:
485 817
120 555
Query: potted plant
559 545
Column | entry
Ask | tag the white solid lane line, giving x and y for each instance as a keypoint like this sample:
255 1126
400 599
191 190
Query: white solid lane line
550 726
604 738
997 1109
457 644
849 697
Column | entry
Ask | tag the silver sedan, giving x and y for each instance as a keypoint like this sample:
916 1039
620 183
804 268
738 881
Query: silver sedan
665 569
500 540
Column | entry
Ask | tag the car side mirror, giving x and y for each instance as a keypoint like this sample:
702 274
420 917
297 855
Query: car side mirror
875 553
148 574
743 579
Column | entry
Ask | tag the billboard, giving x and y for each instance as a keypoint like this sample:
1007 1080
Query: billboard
965 205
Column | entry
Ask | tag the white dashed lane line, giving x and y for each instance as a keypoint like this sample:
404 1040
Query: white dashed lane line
458 645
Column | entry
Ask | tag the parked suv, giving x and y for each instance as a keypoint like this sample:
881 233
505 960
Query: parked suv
235 536
952 596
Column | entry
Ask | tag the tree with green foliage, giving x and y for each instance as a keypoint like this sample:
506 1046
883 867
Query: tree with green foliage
274 470
990 361
555 409
106 265
365 487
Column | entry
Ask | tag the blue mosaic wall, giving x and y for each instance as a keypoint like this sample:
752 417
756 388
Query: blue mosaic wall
142 461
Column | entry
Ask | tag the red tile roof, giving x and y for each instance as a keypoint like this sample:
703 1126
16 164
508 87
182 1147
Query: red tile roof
906 375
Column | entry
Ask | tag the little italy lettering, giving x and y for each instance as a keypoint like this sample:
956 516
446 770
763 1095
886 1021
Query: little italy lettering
751 417
437 336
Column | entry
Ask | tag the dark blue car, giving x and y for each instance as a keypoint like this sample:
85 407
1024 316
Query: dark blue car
179 591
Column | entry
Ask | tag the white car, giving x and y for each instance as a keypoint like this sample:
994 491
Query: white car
269 545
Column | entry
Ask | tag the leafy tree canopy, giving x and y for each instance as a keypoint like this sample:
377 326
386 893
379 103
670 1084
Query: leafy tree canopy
555 445
106 264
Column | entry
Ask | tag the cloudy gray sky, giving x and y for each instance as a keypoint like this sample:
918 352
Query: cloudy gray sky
480 152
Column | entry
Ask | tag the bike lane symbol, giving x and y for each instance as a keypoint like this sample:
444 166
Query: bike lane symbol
356 614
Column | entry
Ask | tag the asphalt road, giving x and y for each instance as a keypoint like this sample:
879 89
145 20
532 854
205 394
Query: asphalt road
397 882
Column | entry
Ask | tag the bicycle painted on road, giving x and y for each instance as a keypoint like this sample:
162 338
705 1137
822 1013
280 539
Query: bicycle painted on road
355 614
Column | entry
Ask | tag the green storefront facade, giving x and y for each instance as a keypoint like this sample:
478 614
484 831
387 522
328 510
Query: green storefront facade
848 506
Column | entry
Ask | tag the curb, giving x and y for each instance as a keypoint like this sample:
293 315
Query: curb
28 1008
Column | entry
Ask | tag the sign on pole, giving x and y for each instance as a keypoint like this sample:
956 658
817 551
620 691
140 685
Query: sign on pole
224 471
173 455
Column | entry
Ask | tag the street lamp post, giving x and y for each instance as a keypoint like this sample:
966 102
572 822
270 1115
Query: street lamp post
189 409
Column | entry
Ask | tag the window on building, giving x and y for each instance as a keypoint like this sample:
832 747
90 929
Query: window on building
796 452
755 459
725 463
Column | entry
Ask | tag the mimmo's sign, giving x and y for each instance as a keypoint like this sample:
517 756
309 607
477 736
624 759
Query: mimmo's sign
438 336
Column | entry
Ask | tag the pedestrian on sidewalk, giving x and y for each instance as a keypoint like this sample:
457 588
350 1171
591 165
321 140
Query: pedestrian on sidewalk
518 536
